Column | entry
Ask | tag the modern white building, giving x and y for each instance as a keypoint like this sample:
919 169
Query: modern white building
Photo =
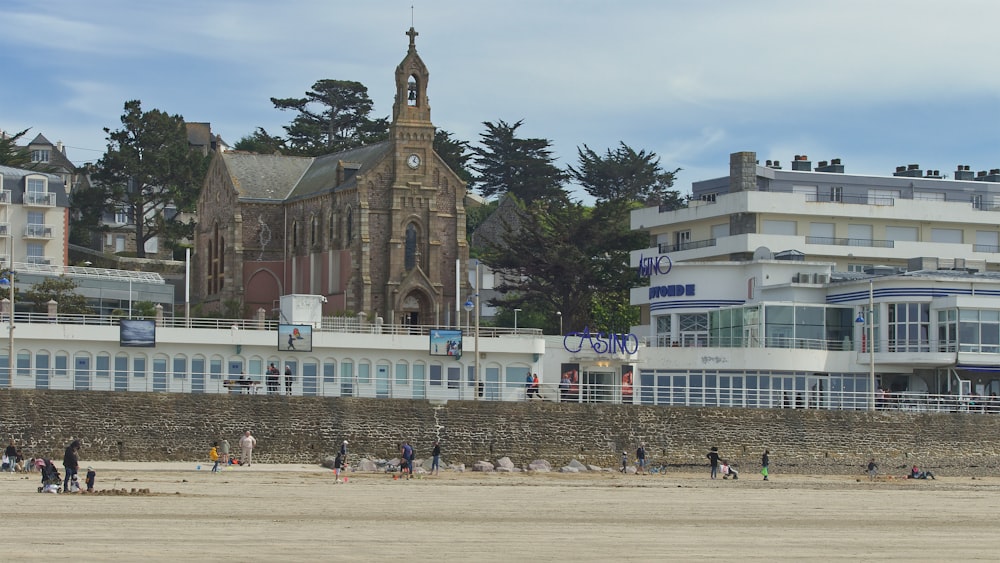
767 289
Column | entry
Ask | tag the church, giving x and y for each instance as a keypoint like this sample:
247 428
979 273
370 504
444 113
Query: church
378 229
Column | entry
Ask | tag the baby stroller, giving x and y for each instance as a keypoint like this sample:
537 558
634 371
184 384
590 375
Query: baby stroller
51 480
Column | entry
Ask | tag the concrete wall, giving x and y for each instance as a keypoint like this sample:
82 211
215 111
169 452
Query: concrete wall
166 426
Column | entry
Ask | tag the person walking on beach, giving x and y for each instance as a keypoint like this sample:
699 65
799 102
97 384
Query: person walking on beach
624 461
713 459
224 453
765 460
406 457
872 469
640 458
436 461
247 443
71 463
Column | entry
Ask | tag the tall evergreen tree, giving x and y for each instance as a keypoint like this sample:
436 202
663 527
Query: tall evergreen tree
13 155
332 117
454 152
148 168
507 164
260 141
624 175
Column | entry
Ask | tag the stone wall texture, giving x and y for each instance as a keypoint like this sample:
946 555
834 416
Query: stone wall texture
182 427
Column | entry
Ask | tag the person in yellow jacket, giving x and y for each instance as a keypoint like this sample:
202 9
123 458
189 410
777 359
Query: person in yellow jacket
213 454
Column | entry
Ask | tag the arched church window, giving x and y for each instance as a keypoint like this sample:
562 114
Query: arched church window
410 259
314 231
350 225
331 224
295 235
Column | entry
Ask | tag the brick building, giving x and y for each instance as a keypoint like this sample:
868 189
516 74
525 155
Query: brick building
378 229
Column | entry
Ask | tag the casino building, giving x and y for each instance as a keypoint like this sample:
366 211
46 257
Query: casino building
810 287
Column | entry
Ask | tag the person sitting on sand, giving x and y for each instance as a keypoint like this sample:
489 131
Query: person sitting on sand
916 473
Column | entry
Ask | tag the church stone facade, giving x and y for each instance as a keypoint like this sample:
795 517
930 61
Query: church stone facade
378 229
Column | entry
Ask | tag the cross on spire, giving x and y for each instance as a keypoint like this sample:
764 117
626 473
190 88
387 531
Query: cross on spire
413 36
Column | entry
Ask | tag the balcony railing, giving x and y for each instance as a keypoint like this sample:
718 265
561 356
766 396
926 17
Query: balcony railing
38 231
851 199
985 248
4 197
690 245
837 241
40 199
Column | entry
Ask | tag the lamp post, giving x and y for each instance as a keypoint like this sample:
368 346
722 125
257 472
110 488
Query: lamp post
869 328
8 282
515 320
559 314
479 280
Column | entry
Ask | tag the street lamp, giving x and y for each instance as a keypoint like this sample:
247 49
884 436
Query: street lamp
5 283
559 314
515 320
870 329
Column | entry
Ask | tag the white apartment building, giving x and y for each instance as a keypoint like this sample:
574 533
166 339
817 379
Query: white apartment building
768 288
34 218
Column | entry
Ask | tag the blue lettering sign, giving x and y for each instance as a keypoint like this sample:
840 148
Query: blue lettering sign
601 343
677 290
654 265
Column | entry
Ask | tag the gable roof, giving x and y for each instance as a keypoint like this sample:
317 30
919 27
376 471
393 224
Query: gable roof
322 174
264 176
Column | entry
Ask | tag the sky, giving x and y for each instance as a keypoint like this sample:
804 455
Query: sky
876 83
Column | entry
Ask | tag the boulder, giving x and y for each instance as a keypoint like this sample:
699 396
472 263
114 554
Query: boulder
458 467
366 465
569 469
579 466
505 464
540 465
483 466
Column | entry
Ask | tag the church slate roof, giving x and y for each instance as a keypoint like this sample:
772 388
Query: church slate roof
322 174
264 176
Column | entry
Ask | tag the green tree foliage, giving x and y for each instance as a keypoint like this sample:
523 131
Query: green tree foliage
62 290
13 155
455 154
147 168
625 175
332 117
545 265
574 259
507 164
261 142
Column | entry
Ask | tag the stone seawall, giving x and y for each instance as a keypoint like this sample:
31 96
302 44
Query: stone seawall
182 427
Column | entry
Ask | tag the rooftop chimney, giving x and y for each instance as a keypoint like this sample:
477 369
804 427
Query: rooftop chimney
801 163
834 166
962 172
912 170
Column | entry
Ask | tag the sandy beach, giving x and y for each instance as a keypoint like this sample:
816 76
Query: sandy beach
298 513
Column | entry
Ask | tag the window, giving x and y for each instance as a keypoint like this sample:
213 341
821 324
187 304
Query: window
37 191
821 230
708 197
402 374
435 375
102 364
180 367
364 373
720 230
138 367
860 268
977 201
772 227
901 233
694 329
329 372
946 235
40 155
836 193
36 252
681 239
410 260
121 217
215 368
61 365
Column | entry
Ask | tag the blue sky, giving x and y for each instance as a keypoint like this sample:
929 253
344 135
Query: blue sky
878 84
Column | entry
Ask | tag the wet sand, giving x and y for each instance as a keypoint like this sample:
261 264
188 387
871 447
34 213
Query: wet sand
297 513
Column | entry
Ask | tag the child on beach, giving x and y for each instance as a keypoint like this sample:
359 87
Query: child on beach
213 454
91 478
